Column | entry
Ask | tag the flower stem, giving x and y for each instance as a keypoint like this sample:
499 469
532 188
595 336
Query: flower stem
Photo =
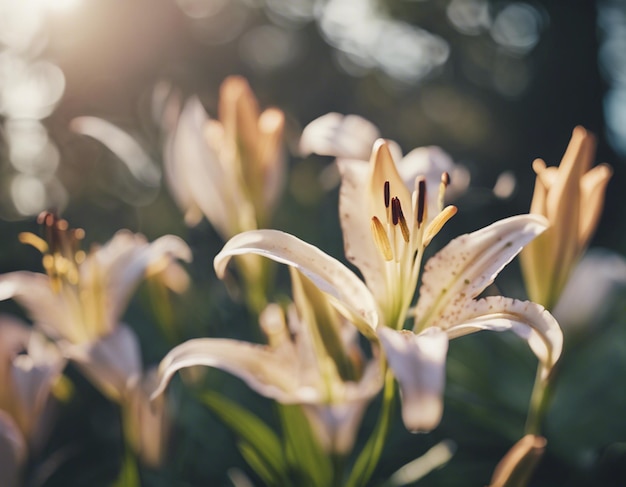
539 401
370 455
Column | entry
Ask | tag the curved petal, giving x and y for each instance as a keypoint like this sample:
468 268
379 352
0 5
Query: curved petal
431 162
268 373
33 375
124 146
147 422
384 169
349 293
355 218
341 136
528 320
418 363
110 362
468 264
123 262
13 450
196 165
33 291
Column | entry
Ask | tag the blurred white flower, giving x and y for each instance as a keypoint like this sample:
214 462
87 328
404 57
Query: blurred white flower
230 170
80 302
83 295
591 290
314 361
29 367
351 137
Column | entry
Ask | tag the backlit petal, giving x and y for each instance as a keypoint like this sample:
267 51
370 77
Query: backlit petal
418 363
341 136
469 263
268 373
528 320
349 293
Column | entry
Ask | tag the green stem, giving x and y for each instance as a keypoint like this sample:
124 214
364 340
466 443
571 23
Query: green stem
539 401
370 455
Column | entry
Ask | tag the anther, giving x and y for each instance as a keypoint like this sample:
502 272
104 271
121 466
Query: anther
445 179
387 194
402 221
381 239
395 206
421 201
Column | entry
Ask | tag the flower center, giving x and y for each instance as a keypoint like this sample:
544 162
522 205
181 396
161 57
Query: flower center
61 249
401 242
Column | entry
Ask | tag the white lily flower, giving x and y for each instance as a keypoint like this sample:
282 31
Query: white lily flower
386 229
83 295
29 366
314 361
230 170
351 137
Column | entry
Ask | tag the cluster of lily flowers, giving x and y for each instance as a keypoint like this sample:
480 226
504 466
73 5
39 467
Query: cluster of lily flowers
345 338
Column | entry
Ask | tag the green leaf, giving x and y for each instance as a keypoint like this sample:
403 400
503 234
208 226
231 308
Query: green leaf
304 453
259 444
251 455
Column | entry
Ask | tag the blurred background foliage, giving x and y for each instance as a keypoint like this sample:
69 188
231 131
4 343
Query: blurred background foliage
495 83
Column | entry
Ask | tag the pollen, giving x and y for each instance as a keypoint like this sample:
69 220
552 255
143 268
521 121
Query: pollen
381 239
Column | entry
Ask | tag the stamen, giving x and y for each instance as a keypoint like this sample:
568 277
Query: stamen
395 203
421 201
33 240
387 194
438 222
381 239
402 221
445 181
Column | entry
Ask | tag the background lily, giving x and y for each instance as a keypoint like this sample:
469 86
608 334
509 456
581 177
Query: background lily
386 243
351 137
29 367
591 291
312 359
231 169
82 296
571 197
79 303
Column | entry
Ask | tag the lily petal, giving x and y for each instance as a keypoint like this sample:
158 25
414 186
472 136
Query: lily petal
468 264
431 162
124 146
528 320
124 261
260 368
33 291
341 136
355 218
12 450
350 294
110 362
418 363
